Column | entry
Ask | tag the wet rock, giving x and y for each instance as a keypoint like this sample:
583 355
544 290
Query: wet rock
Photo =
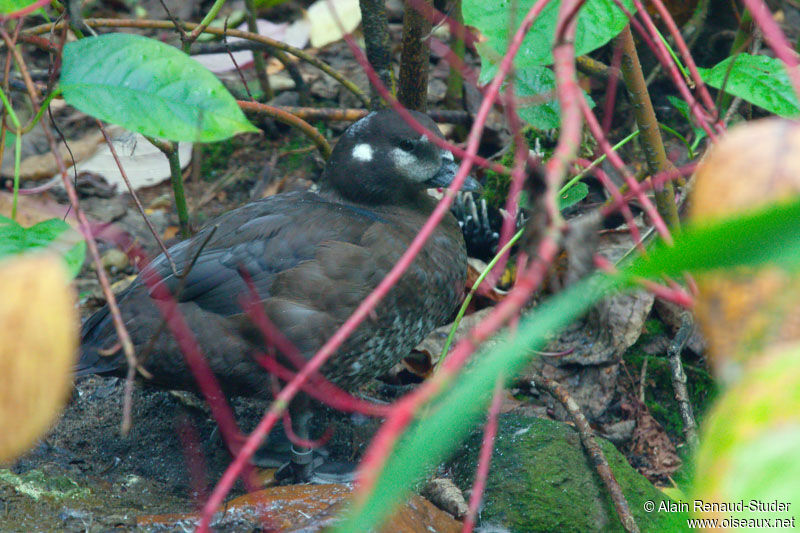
540 480
306 508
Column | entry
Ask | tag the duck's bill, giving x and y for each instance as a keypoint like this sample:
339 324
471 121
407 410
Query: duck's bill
444 177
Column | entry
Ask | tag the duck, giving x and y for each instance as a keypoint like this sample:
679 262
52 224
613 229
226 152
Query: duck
312 258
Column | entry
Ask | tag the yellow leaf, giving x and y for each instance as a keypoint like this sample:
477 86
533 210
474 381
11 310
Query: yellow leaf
38 340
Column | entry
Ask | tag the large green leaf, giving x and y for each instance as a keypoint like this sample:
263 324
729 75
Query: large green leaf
149 87
598 22
53 234
533 83
535 90
771 234
760 80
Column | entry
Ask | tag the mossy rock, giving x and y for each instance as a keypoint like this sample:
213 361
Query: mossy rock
540 480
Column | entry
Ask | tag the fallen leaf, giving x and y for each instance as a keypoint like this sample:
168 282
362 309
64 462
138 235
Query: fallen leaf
295 34
327 28
144 164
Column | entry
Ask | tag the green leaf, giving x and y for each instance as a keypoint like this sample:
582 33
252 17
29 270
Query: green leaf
53 234
535 87
598 22
10 6
573 195
538 82
149 87
760 80
770 234
683 108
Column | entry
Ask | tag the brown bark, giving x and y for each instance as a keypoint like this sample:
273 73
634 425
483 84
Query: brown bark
376 37
415 57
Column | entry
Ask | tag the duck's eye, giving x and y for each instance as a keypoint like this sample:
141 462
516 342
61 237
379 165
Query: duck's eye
406 145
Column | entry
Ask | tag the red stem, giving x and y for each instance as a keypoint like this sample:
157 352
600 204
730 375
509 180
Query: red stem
619 165
484 457
776 40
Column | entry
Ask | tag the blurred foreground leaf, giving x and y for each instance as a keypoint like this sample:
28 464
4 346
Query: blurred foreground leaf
38 339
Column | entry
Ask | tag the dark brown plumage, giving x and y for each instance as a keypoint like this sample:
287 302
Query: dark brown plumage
313 257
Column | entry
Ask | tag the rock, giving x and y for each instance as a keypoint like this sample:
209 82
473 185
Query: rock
114 260
446 496
540 480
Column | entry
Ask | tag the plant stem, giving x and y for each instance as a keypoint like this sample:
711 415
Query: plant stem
170 149
208 19
455 83
650 137
415 57
17 151
258 57
376 37
596 162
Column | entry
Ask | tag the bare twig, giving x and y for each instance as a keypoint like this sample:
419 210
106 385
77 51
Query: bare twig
165 25
592 449
679 379
293 121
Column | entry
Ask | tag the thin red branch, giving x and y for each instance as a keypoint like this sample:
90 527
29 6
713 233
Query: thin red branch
650 36
206 381
375 457
667 19
776 40
484 457
619 165
618 202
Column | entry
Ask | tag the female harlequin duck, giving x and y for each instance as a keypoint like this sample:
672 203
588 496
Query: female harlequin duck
312 257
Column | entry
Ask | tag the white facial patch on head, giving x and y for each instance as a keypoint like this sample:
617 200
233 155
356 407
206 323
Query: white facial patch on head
362 152
447 155
403 159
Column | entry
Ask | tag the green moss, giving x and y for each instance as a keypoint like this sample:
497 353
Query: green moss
540 480
215 157
37 484
659 393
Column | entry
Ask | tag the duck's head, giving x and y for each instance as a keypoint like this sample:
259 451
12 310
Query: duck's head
381 160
